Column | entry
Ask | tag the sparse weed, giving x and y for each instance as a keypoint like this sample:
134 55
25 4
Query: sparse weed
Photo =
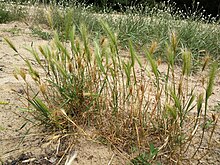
40 33
216 108
14 31
146 158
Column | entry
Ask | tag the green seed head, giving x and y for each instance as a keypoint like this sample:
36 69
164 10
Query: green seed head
187 62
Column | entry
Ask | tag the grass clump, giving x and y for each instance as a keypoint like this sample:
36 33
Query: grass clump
129 101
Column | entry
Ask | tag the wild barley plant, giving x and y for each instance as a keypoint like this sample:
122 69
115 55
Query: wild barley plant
129 101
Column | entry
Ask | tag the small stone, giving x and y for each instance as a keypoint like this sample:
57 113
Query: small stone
52 160
21 91
90 157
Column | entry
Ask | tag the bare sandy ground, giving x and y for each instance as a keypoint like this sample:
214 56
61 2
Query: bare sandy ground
21 142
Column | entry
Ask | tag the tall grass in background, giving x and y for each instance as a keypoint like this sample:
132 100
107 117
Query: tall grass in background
199 34
151 115
141 25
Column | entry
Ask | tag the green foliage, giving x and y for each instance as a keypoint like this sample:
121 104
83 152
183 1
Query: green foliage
10 13
139 24
4 15
40 33
63 20
141 27
146 158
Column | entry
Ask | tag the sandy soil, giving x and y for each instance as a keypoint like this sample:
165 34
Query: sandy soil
25 144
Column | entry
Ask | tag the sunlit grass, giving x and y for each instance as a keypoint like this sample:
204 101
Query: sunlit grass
88 83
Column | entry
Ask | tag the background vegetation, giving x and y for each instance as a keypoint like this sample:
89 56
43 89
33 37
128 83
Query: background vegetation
140 24
211 7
